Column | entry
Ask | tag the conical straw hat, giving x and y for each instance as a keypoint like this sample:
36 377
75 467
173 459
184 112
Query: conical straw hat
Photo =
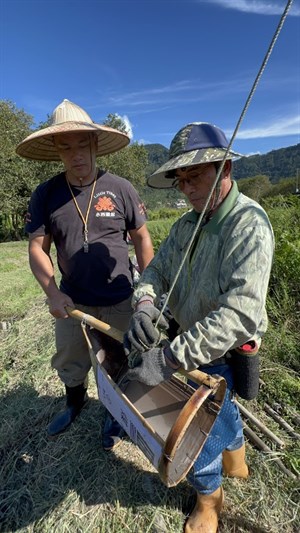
68 117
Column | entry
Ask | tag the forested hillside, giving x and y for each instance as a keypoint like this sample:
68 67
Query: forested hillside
259 176
157 156
277 164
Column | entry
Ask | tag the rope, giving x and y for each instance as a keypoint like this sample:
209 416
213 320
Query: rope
243 113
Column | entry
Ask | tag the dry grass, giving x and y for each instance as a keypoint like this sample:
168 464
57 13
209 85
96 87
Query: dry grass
17 284
70 484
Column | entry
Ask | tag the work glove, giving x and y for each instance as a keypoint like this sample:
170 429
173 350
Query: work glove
142 333
151 368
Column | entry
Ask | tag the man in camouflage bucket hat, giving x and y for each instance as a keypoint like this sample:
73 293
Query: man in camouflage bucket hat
218 301
197 143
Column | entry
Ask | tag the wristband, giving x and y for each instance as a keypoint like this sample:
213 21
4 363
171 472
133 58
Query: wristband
170 359
144 299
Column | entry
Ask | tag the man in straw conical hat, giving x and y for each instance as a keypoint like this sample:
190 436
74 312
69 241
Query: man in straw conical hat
222 249
87 213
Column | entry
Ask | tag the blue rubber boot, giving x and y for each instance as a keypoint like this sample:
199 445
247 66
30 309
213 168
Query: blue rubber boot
112 433
76 398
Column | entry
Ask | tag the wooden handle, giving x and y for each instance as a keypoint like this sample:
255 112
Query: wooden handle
114 333
195 375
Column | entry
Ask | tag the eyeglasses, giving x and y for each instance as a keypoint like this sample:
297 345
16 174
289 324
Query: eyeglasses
193 180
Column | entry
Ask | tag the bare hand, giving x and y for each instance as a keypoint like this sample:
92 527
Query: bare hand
57 304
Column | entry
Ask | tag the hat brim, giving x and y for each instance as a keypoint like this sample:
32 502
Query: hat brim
40 146
158 179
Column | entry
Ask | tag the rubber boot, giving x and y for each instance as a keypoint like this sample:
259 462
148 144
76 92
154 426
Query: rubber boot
204 518
112 433
234 464
76 397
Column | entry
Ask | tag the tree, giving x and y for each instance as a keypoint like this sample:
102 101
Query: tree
15 173
130 162
116 122
283 187
18 176
256 187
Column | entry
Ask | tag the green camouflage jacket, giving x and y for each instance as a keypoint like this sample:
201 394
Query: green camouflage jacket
219 297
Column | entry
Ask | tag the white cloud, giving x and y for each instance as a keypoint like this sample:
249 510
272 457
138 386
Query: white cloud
128 125
279 128
132 97
160 98
256 6
178 92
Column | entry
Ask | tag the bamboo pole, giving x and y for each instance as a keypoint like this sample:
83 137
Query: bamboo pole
262 446
289 429
296 418
280 443
114 333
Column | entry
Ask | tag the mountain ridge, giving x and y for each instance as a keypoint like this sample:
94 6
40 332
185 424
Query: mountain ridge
278 164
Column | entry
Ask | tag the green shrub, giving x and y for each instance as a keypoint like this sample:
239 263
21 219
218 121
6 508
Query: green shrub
283 303
284 213
160 214
159 230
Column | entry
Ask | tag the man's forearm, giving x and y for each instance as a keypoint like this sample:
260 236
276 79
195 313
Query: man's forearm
42 269
144 253
142 246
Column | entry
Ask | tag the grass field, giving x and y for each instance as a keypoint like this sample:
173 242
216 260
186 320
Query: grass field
70 484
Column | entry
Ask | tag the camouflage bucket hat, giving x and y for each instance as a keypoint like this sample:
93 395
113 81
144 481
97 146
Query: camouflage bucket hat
194 144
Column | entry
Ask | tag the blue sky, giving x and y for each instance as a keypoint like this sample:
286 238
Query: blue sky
159 64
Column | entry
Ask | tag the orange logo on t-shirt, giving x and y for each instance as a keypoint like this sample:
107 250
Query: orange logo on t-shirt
104 204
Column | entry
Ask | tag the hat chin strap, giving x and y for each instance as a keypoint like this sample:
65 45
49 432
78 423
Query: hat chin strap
216 200
217 196
93 167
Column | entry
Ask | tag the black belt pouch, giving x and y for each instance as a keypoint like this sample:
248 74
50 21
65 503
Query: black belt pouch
245 366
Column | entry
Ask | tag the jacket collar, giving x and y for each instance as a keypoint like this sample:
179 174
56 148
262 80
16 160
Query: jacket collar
215 223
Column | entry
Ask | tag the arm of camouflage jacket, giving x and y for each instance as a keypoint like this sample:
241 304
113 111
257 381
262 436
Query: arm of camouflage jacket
239 314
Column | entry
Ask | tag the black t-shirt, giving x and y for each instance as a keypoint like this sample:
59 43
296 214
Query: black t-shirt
103 276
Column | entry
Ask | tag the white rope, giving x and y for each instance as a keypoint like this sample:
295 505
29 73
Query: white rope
243 113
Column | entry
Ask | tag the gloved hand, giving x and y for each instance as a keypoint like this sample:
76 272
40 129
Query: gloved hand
142 333
152 368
